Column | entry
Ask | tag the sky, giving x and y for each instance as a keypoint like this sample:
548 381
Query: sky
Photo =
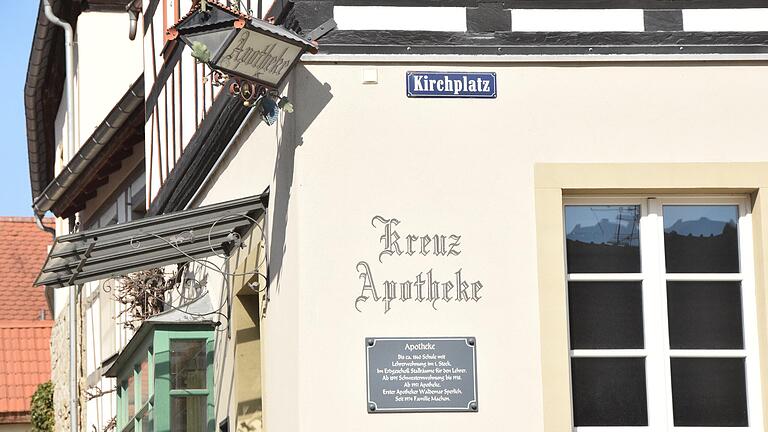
17 30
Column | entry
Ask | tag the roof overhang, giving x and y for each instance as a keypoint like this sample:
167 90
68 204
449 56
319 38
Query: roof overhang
44 84
43 91
106 5
150 242
122 128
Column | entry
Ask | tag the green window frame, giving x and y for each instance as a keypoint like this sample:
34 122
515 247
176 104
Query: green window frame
150 366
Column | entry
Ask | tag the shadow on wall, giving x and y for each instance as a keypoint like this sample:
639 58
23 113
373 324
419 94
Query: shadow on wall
310 97
249 416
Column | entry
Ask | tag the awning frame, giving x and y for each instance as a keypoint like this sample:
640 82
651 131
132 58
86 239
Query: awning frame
151 242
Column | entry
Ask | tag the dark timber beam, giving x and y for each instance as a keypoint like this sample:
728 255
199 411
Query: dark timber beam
542 43
200 155
565 4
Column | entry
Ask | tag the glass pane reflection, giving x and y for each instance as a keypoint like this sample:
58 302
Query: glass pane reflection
701 238
144 374
131 396
188 364
148 422
603 238
188 414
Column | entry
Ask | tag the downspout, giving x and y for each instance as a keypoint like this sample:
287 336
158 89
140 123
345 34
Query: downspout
69 49
133 9
133 23
41 225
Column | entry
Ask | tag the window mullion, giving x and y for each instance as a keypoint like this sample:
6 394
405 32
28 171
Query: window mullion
708 353
707 277
651 252
609 277
609 353
189 392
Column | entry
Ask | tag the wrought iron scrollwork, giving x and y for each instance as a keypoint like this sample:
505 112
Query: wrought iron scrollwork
146 293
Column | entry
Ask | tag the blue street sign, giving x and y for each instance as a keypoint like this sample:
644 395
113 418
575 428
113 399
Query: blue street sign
451 84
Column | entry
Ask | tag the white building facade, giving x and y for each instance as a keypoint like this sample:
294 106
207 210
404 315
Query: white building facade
565 202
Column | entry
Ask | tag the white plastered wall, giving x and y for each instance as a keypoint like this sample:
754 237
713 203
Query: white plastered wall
353 151
108 63
247 168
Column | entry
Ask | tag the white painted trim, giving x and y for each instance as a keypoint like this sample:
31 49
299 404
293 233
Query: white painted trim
706 353
533 58
600 353
714 20
650 428
715 277
657 378
749 318
611 428
453 19
611 277
586 20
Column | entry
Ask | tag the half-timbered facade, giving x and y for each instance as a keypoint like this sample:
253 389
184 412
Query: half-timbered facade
575 190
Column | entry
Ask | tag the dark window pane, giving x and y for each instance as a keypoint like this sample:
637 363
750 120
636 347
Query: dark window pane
609 392
148 421
709 392
144 374
603 239
131 396
701 239
704 315
188 364
189 414
607 315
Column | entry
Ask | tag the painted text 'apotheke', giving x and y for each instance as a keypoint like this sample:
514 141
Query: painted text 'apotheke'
424 286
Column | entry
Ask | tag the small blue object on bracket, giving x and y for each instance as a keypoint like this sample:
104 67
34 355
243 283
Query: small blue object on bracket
481 85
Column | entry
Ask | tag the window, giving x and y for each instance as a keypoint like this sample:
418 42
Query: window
128 203
168 383
136 394
662 313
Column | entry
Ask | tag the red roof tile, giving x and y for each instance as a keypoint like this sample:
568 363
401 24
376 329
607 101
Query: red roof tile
23 248
25 362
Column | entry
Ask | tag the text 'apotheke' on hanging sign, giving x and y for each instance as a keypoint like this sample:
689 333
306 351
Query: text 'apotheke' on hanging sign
451 85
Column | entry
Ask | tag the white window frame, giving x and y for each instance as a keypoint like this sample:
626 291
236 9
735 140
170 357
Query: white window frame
653 276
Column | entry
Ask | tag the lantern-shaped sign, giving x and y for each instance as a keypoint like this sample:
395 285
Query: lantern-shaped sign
236 44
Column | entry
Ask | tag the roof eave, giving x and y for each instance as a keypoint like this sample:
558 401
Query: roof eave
42 46
43 92
131 101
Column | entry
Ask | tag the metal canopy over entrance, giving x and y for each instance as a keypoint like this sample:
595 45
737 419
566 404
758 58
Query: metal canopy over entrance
150 242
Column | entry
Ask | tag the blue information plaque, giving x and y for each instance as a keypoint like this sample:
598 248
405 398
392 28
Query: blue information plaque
481 85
